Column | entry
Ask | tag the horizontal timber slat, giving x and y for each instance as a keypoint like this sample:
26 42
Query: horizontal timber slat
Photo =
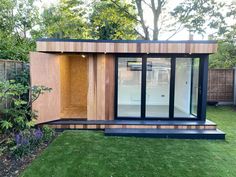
73 124
103 126
88 46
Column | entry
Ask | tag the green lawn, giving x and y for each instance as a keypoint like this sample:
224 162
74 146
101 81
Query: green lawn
88 153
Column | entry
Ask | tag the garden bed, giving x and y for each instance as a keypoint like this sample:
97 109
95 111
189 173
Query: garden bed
11 166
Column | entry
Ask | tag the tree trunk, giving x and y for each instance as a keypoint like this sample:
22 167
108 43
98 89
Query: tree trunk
156 15
140 14
155 29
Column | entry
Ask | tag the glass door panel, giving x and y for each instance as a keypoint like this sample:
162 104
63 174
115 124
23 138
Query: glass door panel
186 87
195 87
129 87
157 87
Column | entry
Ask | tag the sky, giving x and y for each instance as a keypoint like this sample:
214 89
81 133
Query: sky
183 35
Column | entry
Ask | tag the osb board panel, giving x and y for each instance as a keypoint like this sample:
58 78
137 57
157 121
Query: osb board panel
65 81
74 86
101 87
45 70
128 47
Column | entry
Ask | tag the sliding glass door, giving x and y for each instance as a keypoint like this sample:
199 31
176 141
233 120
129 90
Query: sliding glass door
129 87
194 86
186 87
144 86
157 87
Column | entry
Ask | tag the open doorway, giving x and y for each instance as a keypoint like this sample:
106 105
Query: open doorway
74 86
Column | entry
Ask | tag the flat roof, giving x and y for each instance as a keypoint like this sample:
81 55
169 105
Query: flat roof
124 41
126 46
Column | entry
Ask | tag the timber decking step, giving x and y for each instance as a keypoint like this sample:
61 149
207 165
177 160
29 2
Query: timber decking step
166 133
130 122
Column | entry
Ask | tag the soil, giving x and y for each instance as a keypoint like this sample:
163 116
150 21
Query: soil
12 167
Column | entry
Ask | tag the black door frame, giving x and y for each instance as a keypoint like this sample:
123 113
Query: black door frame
202 86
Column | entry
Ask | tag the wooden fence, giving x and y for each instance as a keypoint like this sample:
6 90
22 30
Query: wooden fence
10 68
221 85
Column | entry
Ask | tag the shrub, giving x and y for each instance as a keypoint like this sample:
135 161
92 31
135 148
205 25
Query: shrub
22 143
18 115
27 140
36 138
48 133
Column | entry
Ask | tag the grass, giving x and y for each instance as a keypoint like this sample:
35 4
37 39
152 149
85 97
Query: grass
91 154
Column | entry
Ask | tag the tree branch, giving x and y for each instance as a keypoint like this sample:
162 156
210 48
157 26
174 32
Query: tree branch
147 4
176 31
140 13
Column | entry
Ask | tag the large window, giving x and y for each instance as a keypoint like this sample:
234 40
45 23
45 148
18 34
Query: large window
186 87
158 87
129 87
144 87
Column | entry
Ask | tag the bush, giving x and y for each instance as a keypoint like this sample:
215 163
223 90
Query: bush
18 115
22 143
27 140
48 133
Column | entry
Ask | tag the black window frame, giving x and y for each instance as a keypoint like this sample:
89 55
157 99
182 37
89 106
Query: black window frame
202 86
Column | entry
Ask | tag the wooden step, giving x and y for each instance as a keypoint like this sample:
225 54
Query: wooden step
166 133
140 124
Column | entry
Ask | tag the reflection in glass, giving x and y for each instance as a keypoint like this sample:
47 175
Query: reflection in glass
186 87
195 75
157 87
129 87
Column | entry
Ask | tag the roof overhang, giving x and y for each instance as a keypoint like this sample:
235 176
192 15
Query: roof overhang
126 46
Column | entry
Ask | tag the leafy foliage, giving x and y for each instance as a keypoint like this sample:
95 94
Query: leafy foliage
18 115
21 22
109 22
17 20
48 133
198 15
226 55
66 20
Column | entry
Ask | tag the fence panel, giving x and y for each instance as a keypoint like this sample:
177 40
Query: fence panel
8 70
221 85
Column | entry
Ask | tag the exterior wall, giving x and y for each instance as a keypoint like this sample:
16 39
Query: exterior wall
45 70
74 83
101 87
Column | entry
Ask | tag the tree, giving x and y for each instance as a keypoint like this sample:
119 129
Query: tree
109 22
15 47
26 17
226 55
156 7
65 20
17 19
190 14
6 16
197 16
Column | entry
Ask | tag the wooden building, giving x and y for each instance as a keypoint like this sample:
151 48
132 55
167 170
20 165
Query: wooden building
129 88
